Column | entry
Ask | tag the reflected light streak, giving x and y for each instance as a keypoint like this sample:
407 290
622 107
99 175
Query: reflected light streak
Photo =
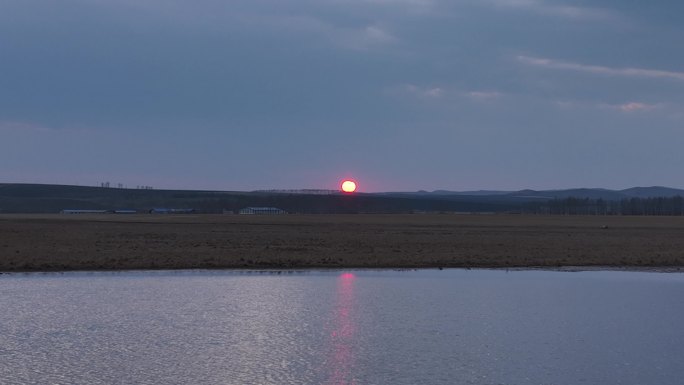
343 333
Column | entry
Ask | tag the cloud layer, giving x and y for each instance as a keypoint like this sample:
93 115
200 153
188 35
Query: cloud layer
600 70
400 94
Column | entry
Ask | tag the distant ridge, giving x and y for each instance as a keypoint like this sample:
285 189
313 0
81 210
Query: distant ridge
592 193
43 198
300 191
651 192
472 193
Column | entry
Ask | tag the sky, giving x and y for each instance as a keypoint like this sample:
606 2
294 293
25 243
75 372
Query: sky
401 95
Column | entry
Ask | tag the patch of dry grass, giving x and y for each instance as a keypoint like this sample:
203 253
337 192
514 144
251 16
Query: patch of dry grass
93 242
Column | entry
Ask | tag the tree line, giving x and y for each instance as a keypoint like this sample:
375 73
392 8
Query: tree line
629 206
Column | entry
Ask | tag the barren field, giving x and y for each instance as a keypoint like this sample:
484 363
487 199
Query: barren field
102 242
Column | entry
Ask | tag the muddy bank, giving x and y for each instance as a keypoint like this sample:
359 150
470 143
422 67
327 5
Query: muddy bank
111 242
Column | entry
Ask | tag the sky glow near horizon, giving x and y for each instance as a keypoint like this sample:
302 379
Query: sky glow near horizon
401 95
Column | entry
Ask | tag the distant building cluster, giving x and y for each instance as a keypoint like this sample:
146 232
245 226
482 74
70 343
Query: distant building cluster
171 211
126 211
79 211
122 186
261 211
162 210
300 191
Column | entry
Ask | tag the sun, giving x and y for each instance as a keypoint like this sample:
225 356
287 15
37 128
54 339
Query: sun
349 186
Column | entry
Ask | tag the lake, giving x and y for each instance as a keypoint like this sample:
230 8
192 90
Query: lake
342 327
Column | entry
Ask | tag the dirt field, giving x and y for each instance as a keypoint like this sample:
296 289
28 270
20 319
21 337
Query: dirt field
96 242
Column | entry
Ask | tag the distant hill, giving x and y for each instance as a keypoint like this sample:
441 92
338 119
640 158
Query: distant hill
41 198
591 193
37 198
472 193
652 192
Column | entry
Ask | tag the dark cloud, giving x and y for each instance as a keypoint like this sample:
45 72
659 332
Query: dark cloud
412 94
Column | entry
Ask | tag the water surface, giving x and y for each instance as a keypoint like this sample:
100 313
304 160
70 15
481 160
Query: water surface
359 327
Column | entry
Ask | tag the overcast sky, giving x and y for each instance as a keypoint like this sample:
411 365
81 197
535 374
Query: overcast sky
402 95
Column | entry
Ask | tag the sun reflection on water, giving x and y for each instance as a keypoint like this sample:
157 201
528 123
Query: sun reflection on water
343 332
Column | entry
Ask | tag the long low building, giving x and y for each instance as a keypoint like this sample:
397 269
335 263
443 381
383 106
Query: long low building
125 211
77 211
262 211
171 211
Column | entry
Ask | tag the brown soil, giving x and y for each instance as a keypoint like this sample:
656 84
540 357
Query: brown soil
97 242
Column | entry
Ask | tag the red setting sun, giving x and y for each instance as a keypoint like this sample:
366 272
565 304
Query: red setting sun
349 186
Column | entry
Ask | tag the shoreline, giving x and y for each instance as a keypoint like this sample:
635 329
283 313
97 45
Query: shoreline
295 271
59 243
